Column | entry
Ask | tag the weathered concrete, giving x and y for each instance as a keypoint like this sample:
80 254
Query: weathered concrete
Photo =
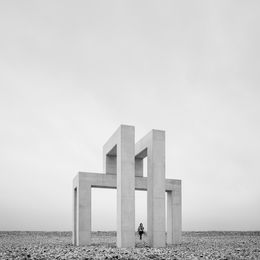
82 212
174 215
152 146
109 181
121 146
123 165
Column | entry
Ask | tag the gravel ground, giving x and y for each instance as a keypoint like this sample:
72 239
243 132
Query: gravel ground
196 245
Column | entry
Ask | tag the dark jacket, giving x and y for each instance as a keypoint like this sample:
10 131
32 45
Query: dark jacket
141 229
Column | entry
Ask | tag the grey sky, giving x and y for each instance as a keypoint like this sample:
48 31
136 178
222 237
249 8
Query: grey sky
72 71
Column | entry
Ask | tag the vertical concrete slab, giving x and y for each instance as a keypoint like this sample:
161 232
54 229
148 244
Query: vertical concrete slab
83 234
121 146
174 215
153 146
169 218
74 212
156 189
126 188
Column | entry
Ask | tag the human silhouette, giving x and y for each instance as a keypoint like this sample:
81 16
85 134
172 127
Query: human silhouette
141 230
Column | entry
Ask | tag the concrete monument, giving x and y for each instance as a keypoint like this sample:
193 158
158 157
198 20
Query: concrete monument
123 170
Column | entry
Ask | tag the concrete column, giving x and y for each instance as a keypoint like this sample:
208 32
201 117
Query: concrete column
83 213
126 189
156 189
74 212
121 146
75 209
153 146
174 223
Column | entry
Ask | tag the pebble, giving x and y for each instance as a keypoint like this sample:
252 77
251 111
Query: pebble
195 245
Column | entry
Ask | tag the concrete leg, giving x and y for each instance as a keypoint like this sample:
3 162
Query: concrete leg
119 159
83 214
126 188
152 146
156 189
74 231
174 224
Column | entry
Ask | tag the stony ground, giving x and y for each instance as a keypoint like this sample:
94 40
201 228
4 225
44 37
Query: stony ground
196 245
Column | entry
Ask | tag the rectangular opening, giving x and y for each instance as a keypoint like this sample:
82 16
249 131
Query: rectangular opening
103 216
141 215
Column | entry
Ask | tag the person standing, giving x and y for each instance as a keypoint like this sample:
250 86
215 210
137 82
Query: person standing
141 230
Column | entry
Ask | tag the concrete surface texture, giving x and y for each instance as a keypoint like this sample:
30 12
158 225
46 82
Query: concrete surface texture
123 168
152 146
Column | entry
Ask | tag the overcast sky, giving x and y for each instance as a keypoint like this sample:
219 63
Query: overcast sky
72 71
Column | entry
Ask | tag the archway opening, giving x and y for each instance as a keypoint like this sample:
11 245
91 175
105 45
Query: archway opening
141 214
103 215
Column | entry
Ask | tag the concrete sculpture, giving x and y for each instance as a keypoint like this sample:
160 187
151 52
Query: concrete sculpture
123 168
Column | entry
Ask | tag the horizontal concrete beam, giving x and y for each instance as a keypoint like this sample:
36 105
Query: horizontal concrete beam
108 181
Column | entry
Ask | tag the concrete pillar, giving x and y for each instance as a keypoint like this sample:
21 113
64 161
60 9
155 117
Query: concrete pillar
156 189
121 145
174 223
74 212
82 213
153 146
126 189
